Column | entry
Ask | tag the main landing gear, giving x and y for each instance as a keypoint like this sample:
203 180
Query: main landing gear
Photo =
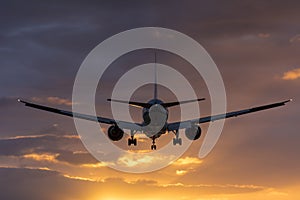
132 140
177 140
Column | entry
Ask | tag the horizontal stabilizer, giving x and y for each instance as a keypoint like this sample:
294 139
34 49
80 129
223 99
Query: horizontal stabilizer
148 105
170 104
132 103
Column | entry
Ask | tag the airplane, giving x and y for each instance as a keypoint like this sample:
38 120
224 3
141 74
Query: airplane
155 119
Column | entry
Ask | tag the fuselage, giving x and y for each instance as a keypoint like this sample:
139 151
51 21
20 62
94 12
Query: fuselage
155 119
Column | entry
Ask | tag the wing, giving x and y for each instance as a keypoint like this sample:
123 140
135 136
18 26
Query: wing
125 125
188 123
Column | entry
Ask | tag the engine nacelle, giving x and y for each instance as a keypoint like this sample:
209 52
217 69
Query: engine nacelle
115 133
193 133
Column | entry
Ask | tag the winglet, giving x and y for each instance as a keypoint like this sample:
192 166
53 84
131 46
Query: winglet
19 100
290 100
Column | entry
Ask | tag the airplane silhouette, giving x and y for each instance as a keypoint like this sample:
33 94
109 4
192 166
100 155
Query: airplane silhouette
155 119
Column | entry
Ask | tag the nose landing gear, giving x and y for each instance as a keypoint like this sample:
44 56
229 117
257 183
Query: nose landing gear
132 140
177 140
153 146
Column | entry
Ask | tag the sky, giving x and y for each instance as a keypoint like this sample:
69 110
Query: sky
256 46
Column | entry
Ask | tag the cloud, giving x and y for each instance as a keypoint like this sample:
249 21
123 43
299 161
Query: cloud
96 165
292 74
133 160
21 145
264 35
295 39
55 185
181 172
79 178
65 149
187 161
78 158
141 162
145 182
56 51
42 157
255 187
53 100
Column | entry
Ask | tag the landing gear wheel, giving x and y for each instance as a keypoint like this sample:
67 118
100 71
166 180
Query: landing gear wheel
132 141
177 141
174 141
153 146
180 141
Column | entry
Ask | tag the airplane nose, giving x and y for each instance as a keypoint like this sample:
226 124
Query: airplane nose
158 108
158 115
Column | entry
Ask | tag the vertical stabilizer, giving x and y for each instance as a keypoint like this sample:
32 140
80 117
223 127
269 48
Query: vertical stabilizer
155 78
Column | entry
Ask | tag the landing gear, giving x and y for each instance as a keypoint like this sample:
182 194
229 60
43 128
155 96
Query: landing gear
153 146
177 140
132 140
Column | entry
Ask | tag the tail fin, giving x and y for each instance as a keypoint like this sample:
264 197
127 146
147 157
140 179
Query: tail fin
155 78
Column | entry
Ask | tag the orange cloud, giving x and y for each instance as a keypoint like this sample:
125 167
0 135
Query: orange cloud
141 160
53 100
132 160
181 172
41 157
96 165
59 101
292 74
79 178
187 161
41 136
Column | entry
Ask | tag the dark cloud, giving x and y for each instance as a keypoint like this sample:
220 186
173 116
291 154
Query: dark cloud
76 158
31 184
9 178
13 146
66 148
45 43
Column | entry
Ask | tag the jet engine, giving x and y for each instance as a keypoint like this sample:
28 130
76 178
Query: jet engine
193 133
115 133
